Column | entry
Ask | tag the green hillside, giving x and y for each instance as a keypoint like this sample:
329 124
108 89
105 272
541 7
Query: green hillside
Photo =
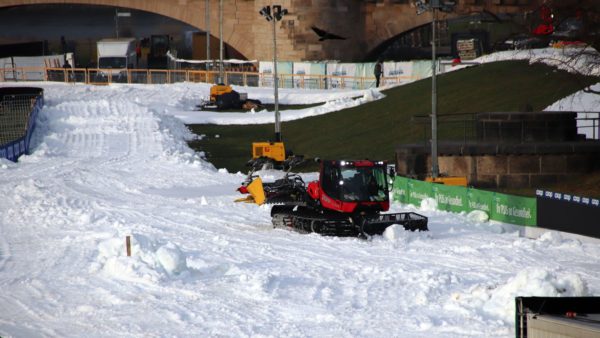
374 129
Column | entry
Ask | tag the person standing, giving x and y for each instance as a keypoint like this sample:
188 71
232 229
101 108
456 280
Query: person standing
138 54
377 71
69 76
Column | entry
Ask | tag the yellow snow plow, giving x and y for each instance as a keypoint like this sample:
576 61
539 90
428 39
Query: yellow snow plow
255 191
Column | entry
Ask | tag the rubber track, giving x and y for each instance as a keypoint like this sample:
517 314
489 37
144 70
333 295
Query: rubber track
306 222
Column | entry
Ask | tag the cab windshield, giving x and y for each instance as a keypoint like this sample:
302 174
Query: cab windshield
363 184
112 62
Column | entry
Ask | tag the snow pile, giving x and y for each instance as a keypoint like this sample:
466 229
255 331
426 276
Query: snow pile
570 59
372 95
5 164
338 102
395 233
481 220
551 238
499 300
478 216
429 204
580 102
150 261
171 259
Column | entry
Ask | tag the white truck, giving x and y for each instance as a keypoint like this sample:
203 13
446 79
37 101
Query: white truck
115 56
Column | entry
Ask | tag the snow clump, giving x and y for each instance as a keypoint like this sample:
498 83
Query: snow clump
149 260
429 204
499 300
171 258
478 216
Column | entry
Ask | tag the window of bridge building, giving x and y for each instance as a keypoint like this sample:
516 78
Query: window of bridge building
401 2
512 2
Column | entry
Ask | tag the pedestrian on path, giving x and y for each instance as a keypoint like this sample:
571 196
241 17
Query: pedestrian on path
377 71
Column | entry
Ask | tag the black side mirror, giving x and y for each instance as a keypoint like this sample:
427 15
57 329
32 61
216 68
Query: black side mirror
391 169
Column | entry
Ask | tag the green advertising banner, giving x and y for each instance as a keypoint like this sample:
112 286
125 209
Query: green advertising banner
450 198
514 209
480 200
400 189
500 207
418 191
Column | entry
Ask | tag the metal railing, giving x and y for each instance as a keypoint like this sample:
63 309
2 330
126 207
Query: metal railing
15 111
168 76
451 127
18 110
471 127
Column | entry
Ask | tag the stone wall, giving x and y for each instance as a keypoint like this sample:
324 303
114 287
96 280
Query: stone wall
530 171
505 170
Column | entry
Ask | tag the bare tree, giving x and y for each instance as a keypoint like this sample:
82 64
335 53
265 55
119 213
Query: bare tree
578 21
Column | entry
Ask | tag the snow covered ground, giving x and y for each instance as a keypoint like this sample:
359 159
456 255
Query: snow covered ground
110 162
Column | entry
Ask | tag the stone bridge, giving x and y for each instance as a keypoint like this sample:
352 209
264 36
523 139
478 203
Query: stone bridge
364 24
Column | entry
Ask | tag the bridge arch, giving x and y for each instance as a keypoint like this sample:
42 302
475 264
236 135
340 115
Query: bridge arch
188 12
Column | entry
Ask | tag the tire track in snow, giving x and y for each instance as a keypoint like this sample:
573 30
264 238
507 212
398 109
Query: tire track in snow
93 146
132 129
95 132
5 255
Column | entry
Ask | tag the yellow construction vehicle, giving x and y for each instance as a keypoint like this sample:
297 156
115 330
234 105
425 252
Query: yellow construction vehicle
271 155
223 97
448 180
272 150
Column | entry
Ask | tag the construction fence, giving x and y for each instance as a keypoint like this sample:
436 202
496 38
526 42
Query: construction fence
163 76
306 75
31 68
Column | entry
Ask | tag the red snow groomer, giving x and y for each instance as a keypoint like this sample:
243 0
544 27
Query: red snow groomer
347 200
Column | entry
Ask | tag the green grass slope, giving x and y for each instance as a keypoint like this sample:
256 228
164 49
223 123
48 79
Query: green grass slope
373 130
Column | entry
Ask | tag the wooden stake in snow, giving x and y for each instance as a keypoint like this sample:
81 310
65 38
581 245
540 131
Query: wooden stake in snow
128 245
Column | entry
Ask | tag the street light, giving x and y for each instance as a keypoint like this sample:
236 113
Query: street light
117 15
422 7
207 20
221 42
275 13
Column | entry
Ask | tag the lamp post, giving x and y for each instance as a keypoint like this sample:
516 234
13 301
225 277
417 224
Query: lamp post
444 6
207 20
221 41
275 13
117 15
435 169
